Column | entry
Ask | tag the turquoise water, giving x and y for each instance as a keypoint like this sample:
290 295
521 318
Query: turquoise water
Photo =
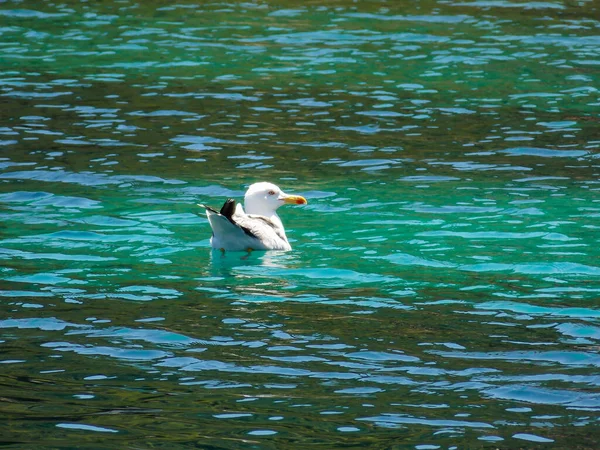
443 287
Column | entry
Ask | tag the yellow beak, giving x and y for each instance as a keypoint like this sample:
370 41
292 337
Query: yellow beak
294 200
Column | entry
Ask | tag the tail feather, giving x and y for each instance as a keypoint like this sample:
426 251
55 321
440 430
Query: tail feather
227 232
207 208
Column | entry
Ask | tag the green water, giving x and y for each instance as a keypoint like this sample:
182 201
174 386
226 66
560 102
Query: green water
443 287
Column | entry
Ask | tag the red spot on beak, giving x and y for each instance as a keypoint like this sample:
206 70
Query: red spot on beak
295 200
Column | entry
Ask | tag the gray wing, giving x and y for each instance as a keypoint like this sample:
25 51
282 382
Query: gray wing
263 229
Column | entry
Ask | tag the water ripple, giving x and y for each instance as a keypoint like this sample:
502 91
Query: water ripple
444 277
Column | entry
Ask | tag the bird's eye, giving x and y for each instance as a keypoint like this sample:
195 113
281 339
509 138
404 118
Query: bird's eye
271 192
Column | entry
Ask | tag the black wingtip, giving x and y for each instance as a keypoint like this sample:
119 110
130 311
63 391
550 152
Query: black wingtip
228 208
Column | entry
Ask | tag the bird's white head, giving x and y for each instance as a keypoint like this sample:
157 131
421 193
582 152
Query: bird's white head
264 199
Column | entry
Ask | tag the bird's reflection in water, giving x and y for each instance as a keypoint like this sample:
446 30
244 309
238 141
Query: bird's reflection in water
230 272
223 264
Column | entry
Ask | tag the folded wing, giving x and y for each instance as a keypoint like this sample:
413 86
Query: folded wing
234 230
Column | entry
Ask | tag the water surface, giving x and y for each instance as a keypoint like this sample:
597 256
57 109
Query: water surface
442 291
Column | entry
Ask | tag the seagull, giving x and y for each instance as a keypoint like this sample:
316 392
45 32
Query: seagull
257 228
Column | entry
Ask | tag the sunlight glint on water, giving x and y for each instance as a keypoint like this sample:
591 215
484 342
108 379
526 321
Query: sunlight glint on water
442 290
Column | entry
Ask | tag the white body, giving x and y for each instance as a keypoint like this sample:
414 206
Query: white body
231 237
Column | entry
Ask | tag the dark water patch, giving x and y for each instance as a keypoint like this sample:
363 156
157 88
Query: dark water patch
444 273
